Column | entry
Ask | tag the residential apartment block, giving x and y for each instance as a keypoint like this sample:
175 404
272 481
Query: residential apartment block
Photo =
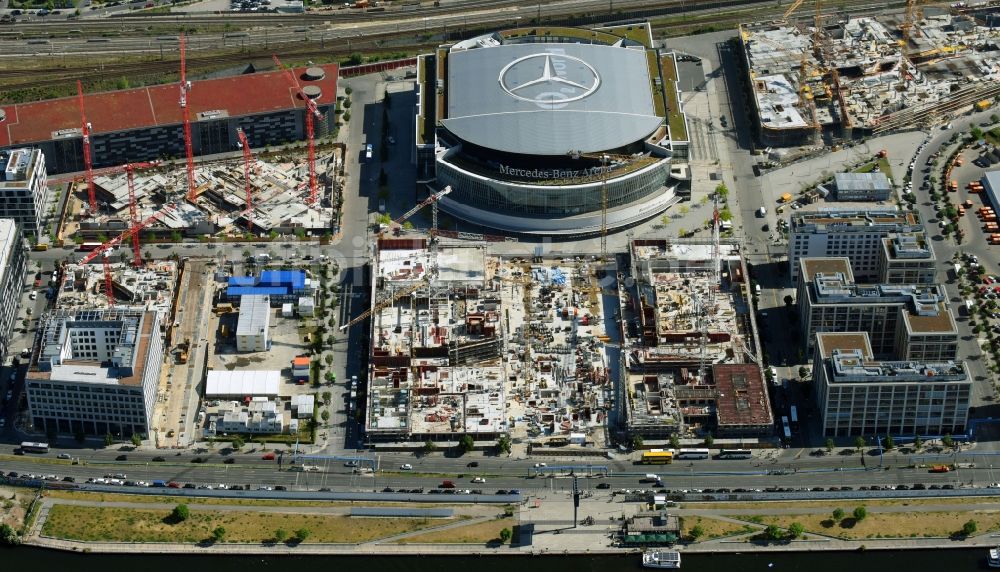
854 234
908 321
12 267
23 188
95 371
858 395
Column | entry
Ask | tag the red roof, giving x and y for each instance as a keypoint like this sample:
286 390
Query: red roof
112 111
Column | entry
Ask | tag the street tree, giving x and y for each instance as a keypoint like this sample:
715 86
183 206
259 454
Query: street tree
947 441
859 443
238 443
108 439
696 532
969 528
803 372
637 442
505 535
429 446
136 439
327 397
829 445
709 440
503 444
838 514
280 535
302 534
888 443
675 442
325 415
218 534
466 443
860 513
918 443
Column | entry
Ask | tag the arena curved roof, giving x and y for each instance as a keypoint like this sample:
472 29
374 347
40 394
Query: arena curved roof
550 98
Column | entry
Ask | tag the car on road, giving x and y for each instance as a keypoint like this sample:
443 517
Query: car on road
478 480
603 486
540 465
513 492
473 464
64 456
280 488
406 467
388 490
267 457
446 485
351 464
501 492
190 486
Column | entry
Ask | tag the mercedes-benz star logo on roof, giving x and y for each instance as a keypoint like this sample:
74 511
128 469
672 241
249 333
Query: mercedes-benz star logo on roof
560 80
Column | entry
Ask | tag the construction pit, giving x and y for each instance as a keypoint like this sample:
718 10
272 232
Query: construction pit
280 200
466 342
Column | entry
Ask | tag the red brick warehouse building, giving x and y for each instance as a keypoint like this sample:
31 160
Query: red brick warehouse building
146 124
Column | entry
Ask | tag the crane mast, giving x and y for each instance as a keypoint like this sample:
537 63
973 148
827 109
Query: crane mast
247 160
312 113
185 88
87 160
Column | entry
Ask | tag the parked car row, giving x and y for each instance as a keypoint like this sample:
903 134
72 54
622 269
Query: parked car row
449 491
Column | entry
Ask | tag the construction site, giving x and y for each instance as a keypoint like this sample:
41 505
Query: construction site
287 193
468 342
819 80
691 365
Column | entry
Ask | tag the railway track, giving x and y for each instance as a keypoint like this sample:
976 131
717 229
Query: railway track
153 67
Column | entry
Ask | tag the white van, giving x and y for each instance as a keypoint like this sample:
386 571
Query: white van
761 211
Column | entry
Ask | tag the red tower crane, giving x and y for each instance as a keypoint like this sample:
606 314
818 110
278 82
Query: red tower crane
185 88
247 160
129 170
105 248
85 127
311 112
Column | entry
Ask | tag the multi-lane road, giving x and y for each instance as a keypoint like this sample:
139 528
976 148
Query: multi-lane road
782 469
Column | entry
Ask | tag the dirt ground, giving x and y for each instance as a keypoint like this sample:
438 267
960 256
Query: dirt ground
14 506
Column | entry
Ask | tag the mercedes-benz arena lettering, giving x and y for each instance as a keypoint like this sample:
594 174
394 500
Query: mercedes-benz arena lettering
528 125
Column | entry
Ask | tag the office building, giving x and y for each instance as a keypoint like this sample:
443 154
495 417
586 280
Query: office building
858 395
854 234
911 321
12 267
95 371
254 322
24 188
907 258
147 124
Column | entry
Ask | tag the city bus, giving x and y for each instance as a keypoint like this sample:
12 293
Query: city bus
89 246
786 430
735 454
693 453
31 447
794 418
657 458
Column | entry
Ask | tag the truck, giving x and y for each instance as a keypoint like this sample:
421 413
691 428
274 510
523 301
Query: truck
224 308
182 350
160 484
983 105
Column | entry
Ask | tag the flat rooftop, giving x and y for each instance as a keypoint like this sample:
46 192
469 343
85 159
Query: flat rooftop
833 219
114 111
935 321
810 267
741 395
829 342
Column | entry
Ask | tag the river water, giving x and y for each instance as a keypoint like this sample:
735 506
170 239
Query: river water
942 560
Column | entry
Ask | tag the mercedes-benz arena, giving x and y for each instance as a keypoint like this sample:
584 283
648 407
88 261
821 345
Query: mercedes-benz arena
530 129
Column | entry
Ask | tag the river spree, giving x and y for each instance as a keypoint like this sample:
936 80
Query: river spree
950 560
